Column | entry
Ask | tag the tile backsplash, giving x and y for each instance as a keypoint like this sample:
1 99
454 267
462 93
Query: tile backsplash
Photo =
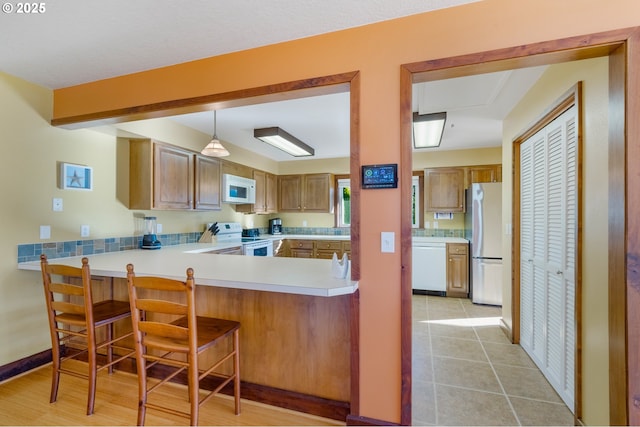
31 251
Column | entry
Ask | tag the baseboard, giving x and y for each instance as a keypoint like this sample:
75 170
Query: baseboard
23 365
431 293
327 408
355 420
506 329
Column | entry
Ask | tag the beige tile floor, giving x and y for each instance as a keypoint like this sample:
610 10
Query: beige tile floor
466 372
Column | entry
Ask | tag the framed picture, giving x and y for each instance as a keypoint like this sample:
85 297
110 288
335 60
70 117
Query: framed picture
75 177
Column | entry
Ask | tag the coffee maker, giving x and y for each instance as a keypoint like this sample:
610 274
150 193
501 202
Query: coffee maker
275 226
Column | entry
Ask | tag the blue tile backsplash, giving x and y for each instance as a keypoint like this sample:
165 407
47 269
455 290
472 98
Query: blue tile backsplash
32 251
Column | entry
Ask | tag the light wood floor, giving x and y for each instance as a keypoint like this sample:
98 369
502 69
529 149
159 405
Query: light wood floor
24 400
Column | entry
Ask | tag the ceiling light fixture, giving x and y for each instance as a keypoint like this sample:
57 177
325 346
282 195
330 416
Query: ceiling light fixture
284 141
214 148
428 129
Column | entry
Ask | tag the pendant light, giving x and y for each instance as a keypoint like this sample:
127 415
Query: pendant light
214 148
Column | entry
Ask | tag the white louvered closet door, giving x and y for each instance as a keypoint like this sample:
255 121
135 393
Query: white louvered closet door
548 236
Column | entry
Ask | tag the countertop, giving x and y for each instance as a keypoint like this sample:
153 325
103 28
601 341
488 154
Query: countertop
415 239
418 239
272 274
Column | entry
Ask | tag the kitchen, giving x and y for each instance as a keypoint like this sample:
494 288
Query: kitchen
234 210
67 149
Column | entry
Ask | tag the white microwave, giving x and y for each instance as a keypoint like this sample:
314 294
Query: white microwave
238 189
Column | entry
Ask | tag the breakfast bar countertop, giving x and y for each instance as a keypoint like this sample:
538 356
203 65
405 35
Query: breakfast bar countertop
300 276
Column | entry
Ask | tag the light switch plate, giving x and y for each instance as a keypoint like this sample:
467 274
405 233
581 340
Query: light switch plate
57 204
387 241
45 231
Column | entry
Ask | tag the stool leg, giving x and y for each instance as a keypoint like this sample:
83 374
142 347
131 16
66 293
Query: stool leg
236 369
194 387
55 378
110 348
93 374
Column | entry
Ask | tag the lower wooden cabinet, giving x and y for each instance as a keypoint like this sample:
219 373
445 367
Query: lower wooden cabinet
301 248
458 270
315 248
326 248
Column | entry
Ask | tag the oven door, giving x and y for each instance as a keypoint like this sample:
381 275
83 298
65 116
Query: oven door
259 248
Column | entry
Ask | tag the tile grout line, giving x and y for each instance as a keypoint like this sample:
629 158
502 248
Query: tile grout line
433 370
484 350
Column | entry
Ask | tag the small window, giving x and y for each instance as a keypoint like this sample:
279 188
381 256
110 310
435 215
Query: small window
344 203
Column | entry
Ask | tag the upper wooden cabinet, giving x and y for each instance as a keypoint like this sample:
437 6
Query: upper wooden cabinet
305 193
483 173
266 194
207 183
444 189
163 176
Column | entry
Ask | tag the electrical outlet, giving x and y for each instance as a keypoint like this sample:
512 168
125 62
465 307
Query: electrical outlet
84 231
159 228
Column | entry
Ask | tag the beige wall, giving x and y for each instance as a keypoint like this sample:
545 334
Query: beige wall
553 84
31 148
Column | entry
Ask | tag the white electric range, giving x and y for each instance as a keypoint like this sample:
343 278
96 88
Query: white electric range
231 232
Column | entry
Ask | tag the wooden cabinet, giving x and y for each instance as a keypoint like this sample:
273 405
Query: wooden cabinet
266 194
326 248
315 248
207 183
301 248
457 270
305 193
164 176
172 177
236 169
483 173
444 189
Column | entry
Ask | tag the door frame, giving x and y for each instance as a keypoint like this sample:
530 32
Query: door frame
623 49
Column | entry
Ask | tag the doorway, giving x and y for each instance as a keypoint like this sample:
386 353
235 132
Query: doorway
608 44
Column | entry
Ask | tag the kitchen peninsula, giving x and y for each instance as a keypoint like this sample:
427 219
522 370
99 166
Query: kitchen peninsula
295 334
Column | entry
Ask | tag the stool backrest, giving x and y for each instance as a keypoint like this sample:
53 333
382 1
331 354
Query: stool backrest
163 312
68 302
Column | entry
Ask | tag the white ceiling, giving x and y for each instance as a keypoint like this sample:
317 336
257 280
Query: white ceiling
78 41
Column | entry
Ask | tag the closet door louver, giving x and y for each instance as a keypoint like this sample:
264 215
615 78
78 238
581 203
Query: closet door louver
548 163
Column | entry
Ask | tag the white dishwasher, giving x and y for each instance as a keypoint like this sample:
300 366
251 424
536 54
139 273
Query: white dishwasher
429 266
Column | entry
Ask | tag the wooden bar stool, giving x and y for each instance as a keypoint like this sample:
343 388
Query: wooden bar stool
75 324
165 325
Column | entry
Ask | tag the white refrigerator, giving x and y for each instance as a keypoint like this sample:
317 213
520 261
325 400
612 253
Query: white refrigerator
484 219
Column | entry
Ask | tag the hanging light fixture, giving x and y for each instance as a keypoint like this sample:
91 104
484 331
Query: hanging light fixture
214 148
428 129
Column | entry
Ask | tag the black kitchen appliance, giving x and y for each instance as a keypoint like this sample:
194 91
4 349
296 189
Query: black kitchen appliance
150 239
275 226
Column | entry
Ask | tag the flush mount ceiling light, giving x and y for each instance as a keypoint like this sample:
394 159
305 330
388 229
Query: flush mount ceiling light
428 129
214 148
284 141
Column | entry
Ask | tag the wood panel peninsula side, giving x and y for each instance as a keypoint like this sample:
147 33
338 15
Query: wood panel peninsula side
295 333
